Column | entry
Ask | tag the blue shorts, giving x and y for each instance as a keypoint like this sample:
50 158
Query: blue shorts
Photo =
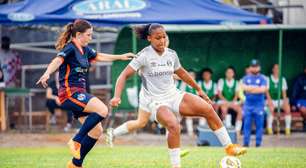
301 103
77 103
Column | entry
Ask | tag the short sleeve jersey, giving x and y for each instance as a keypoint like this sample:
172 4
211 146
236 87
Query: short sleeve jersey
156 71
72 72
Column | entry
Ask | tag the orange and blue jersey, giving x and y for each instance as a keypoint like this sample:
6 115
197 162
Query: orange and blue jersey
72 72
72 77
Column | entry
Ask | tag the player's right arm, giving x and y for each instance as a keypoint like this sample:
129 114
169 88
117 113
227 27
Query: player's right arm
52 67
120 84
133 67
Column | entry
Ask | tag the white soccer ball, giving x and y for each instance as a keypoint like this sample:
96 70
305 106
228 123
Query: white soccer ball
230 162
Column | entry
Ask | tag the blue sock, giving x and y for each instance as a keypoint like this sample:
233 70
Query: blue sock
86 145
91 121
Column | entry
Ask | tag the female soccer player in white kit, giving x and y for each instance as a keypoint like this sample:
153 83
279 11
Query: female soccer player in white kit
156 65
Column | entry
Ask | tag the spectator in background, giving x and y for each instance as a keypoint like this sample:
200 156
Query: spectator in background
54 103
299 95
255 88
272 99
10 62
228 92
210 88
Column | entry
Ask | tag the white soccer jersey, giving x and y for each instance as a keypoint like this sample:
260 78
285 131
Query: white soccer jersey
156 72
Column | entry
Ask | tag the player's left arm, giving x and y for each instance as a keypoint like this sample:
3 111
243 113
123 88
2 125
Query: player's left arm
111 57
184 75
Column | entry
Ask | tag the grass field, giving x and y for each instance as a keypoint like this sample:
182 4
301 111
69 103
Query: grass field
149 157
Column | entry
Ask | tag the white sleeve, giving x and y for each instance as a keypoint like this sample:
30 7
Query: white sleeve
220 85
285 86
177 63
268 81
138 62
215 88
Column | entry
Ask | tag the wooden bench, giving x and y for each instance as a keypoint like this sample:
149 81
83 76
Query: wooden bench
22 118
40 118
296 123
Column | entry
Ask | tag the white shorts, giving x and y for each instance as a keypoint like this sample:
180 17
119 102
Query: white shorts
151 105
275 103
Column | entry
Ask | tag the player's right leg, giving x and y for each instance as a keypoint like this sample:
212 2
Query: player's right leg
128 127
171 123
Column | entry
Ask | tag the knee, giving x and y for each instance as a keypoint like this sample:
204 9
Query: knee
96 132
141 123
174 128
209 112
103 110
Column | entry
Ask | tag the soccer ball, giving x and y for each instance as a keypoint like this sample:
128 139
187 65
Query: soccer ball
230 162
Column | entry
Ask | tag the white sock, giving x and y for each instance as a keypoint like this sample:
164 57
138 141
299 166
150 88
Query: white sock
228 120
223 136
238 125
175 158
121 130
189 126
270 121
202 122
288 121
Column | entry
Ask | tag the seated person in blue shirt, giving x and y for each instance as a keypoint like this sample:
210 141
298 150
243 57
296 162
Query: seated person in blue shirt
299 95
255 87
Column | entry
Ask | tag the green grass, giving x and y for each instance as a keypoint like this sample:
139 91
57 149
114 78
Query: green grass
149 157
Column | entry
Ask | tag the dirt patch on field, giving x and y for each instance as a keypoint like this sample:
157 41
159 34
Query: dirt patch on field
60 139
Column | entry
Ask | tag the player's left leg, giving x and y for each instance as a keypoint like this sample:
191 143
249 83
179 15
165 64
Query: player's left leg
88 142
286 108
192 105
93 108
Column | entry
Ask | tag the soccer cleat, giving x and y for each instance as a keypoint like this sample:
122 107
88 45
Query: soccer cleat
110 137
269 131
184 153
71 165
235 150
75 148
287 131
